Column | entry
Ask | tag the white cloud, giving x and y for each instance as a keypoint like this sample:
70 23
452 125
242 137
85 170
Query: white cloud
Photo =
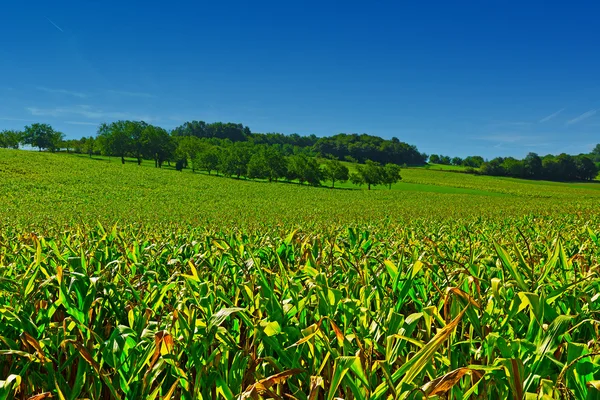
131 94
62 91
506 137
82 123
86 112
16 119
583 116
549 117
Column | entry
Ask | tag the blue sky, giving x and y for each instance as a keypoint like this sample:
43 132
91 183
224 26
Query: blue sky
459 78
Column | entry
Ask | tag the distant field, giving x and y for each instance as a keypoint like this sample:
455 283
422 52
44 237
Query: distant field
444 167
126 282
44 187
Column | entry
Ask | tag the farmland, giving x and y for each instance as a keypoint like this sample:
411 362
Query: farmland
126 281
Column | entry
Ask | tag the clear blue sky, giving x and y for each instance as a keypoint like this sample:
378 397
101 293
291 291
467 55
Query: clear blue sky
458 78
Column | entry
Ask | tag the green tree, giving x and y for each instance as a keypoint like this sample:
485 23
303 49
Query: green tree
236 158
434 159
138 142
391 174
267 163
513 167
532 166
586 168
156 144
10 139
335 171
187 148
457 161
88 145
370 174
445 160
114 139
596 153
494 167
305 169
207 160
38 135
473 161
57 141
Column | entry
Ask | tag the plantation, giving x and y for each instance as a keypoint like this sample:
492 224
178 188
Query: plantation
127 281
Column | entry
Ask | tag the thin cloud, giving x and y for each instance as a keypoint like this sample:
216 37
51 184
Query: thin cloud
131 94
506 138
549 117
56 26
82 123
86 112
62 91
16 119
507 124
583 116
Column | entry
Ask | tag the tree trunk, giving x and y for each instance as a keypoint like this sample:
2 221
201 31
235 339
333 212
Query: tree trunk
122 160
369 186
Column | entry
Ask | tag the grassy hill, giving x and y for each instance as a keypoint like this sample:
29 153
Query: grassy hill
42 187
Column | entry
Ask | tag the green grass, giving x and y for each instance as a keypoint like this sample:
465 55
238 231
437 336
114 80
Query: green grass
126 281
57 189
444 167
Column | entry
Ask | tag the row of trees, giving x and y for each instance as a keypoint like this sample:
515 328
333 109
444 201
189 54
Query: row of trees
563 167
230 147
351 147
360 148
41 136
470 161
269 162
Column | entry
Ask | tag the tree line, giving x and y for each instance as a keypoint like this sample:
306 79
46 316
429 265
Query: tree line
229 148
225 148
563 167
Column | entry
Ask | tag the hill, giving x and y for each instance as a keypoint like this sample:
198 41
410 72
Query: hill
44 187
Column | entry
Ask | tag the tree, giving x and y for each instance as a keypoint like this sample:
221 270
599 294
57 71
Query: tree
187 148
493 167
596 153
135 130
38 135
267 163
88 145
236 158
114 139
156 144
513 167
207 160
457 161
391 174
434 159
473 161
305 169
445 160
586 168
56 141
335 171
10 139
370 174
532 166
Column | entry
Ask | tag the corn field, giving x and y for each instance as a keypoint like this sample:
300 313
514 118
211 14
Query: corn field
428 311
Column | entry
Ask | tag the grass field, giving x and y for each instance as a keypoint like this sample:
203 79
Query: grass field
126 281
